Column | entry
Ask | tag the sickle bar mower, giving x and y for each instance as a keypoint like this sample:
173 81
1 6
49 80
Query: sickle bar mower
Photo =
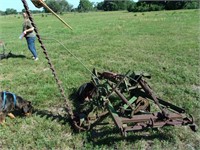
129 100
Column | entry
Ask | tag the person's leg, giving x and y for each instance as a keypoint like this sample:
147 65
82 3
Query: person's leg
31 45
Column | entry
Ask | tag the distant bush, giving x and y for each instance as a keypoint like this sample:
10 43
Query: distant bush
113 5
100 6
143 7
174 5
154 7
58 6
10 11
131 7
110 6
192 5
85 6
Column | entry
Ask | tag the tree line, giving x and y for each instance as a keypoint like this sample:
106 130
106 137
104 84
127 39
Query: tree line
61 6
146 5
143 6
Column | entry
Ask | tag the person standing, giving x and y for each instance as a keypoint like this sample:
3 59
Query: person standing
29 34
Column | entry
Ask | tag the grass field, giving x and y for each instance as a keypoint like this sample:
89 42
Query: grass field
164 44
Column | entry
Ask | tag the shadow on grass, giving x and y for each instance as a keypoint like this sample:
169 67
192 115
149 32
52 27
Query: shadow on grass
59 113
111 137
49 115
10 55
104 135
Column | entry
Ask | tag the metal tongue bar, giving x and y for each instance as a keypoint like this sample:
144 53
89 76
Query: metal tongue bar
41 3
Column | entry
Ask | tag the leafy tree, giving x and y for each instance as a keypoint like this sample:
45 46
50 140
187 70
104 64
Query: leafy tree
155 7
100 6
147 5
58 6
85 5
23 10
10 11
94 5
2 12
111 5
65 6
173 5
131 6
192 5
122 4
54 5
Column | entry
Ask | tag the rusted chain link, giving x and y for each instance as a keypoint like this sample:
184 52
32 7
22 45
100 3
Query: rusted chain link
68 109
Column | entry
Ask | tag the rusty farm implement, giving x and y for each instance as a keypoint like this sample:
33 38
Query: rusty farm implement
127 98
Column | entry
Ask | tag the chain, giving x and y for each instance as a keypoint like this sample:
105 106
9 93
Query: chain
68 109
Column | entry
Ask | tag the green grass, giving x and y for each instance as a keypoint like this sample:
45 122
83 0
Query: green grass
164 44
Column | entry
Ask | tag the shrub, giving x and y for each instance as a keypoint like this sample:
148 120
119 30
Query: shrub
131 7
155 7
192 5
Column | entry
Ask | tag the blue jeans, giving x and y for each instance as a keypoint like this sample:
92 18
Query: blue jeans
31 45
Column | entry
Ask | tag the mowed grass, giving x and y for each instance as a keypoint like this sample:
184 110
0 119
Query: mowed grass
164 44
